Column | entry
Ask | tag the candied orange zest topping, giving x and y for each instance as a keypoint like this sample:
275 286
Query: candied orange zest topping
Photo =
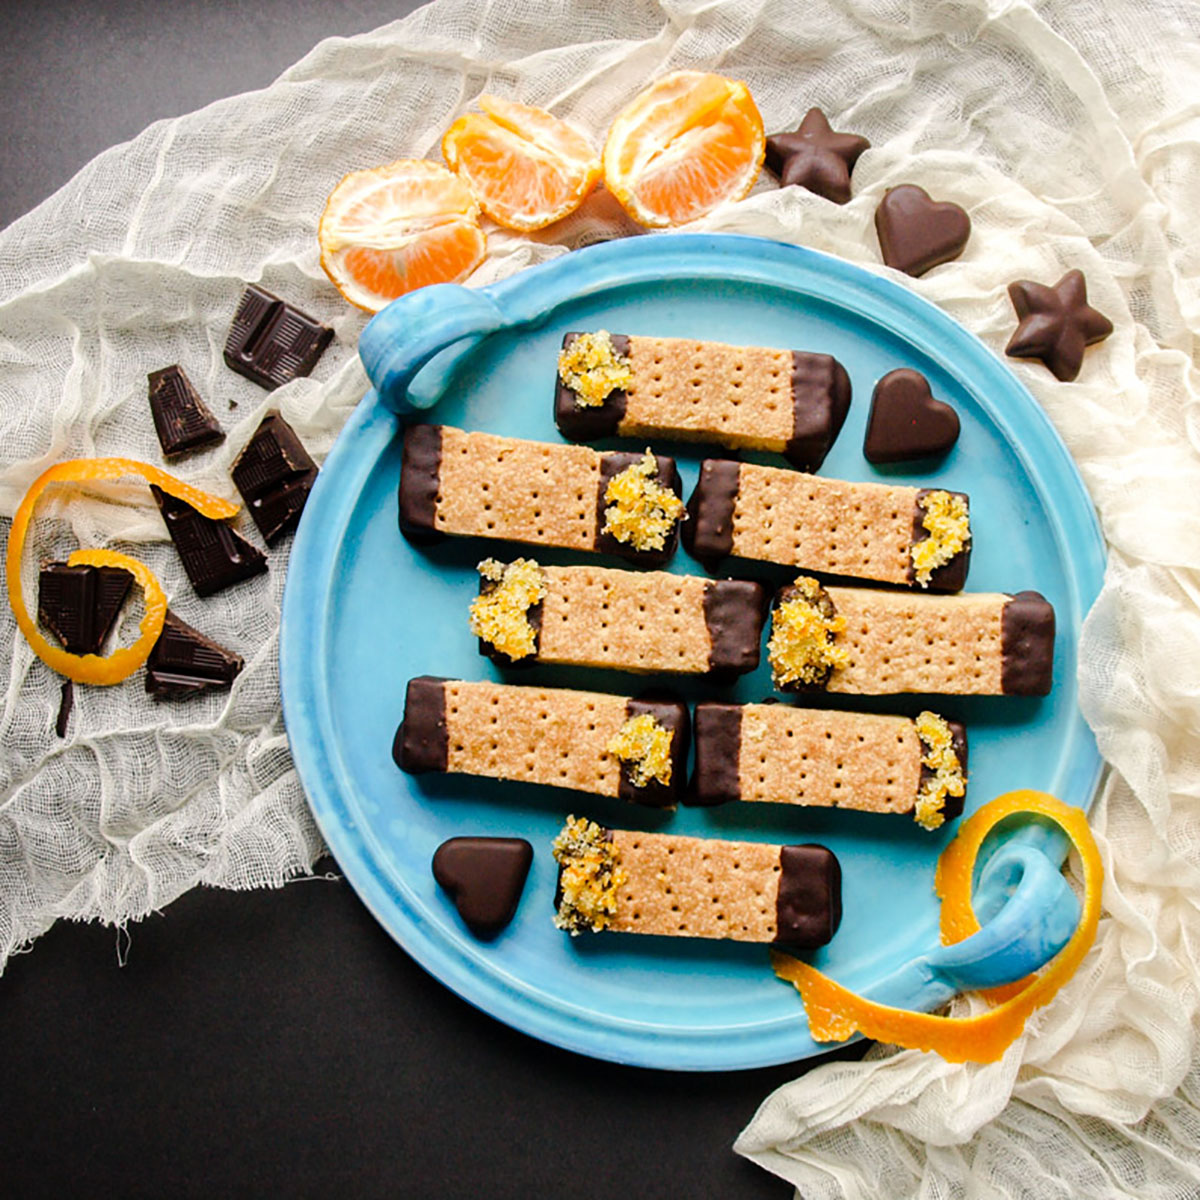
92 668
834 1013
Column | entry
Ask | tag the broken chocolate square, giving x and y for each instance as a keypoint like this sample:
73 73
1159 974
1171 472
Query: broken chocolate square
185 663
182 420
274 473
214 555
79 605
271 342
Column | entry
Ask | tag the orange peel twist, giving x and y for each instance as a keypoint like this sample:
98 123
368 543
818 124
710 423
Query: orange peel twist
122 662
834 1013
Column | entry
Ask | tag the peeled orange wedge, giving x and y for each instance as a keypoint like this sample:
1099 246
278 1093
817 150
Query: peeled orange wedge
527 168
391 229
687 143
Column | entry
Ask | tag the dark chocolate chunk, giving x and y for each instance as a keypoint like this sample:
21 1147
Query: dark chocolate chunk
420 468
271 342
185 663
484 877
588 423
274 473
214 554
708 531
1027 645
816 158
917 233
953 805
182 420
64 708
734 610
808 909
79 605
718 738
1056 323
950 576
820 401
667 476
671 713
422 742
533 614
906 422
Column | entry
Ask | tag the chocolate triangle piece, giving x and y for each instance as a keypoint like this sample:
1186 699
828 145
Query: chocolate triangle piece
79 605
185 663
274 474
182 420
271 342
213 553
485 877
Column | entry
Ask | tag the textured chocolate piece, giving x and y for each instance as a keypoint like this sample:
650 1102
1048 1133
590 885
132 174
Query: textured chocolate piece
708 531
182 420
820 401
673 715
1027 645
274 474
271 342
65 705
485 877
950 576
734 611
718 738
667 476
809 905
420 468
588 423
917 233
79 605
213 553
952 806
422 742
185 663
1056 323
906 422
823 603
815 157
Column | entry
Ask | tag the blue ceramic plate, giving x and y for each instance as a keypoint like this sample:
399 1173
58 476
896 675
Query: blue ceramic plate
364 611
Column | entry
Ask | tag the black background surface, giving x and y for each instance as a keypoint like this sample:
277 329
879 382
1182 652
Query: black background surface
279 1042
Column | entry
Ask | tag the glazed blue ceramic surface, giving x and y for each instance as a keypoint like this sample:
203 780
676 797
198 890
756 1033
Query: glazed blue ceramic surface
364 611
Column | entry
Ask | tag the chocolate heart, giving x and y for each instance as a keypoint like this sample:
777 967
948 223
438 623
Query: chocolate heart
917 233
906 422
485 877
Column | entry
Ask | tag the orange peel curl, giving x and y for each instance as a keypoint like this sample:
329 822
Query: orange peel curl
835 1013
122 662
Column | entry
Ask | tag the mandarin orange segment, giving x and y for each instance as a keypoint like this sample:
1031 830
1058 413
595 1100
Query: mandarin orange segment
92 668
834 1013
391 229
689 142
527 167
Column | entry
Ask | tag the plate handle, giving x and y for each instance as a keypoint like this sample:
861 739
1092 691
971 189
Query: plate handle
403 337
1030 913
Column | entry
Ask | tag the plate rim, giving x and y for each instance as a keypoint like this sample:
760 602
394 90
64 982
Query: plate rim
528 298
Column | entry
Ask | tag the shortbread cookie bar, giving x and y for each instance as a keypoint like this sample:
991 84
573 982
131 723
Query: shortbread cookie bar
875 642
629 882
892 534
737 396
634 749
779 754
482 485
624 620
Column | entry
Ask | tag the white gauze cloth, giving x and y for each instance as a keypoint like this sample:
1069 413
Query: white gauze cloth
1070 132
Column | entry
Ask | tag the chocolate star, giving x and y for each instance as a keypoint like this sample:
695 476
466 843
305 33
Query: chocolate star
815 157
1056 323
